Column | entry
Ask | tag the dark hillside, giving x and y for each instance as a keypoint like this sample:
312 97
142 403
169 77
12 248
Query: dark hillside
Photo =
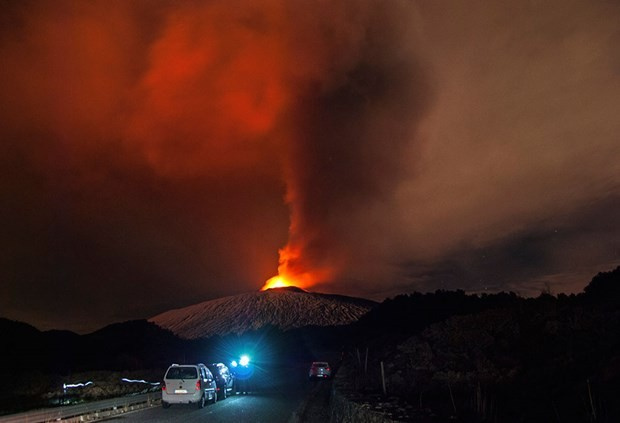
396 319
132 345
604 289
504 359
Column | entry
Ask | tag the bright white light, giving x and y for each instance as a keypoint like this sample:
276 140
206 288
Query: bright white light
233 363
244 360
75 385
139 381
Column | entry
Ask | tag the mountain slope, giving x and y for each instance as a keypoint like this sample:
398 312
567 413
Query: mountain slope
285 308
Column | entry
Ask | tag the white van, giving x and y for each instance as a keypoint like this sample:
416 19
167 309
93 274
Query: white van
188 384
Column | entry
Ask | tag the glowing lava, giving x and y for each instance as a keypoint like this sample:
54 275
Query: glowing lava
276 282
292 272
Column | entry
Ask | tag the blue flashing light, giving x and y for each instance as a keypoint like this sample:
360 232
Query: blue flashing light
244 360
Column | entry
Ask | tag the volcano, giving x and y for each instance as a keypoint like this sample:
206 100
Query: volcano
285 308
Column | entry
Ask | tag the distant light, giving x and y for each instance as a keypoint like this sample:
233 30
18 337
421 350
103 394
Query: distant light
76 385
233 363
139 381
244 360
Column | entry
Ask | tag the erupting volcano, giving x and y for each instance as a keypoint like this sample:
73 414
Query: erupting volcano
276 282
291 271
285 277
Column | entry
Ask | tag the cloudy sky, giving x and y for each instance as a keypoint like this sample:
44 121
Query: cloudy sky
158 154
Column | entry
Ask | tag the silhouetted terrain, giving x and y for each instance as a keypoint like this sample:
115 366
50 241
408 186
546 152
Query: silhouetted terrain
497 358
472 358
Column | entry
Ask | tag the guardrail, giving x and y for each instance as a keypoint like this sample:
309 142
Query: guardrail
86 412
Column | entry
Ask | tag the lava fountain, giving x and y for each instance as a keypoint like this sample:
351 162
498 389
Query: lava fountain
276 282
291 272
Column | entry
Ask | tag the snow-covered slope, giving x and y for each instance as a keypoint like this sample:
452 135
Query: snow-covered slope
285 308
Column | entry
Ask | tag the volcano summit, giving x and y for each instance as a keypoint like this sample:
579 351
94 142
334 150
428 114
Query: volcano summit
285 308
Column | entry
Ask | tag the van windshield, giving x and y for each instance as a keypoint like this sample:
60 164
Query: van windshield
181 373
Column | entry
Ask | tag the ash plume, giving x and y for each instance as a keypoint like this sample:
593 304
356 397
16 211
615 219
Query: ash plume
354 130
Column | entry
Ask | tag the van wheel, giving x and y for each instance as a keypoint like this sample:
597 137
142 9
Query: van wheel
165 404
201 403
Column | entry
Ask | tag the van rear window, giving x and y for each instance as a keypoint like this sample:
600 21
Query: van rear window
181 373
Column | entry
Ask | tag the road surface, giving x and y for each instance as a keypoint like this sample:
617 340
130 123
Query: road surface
273 397
258 407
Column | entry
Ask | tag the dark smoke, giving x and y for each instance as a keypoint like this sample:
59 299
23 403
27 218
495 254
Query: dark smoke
353 137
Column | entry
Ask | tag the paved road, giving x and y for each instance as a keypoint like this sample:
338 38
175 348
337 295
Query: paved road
260 407
273 398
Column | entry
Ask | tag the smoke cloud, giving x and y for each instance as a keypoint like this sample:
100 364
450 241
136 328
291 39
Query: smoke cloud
155 155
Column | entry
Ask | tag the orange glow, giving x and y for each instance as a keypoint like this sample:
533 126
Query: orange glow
214 90
276 282
293 271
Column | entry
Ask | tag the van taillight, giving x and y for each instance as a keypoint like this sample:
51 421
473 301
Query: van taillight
163 387
198 385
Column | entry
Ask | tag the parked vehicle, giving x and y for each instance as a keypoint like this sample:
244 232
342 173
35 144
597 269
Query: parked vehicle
188 384
320 370
223 379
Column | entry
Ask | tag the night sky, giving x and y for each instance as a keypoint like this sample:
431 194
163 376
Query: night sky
156 154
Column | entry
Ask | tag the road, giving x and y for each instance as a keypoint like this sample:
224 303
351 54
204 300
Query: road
258 407
274 397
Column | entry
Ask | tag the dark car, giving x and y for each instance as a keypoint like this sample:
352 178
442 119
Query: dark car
223 379
320 370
